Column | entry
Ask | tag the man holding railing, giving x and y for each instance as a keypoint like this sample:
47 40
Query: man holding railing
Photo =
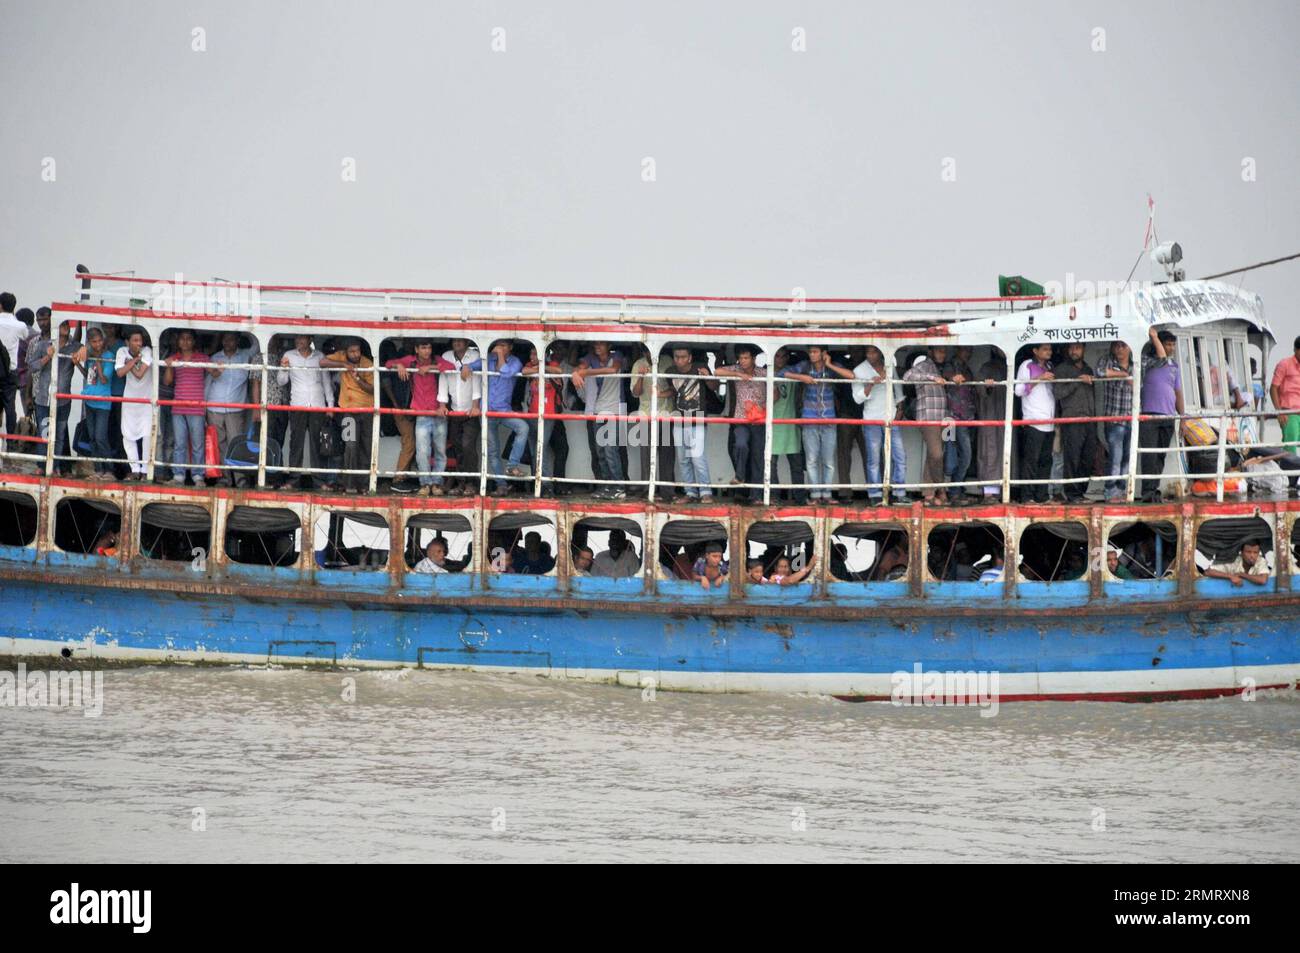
749 439
1117 401
961 407
504 368
690 435
97 372
187 418
1162 396
551 401
428 393
463 399
818 404
229 385
309 386
931 408
133 365
357 394
871 391
603 398
1078 441
1037 402
39 361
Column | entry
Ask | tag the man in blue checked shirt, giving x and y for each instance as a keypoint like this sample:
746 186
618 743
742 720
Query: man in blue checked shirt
818 404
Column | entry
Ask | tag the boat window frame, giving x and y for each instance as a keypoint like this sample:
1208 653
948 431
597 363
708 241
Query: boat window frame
929 578
325 512
469 515
54 525
139 549
281 506
36 528
1022 579
813 577
1110 527
482 563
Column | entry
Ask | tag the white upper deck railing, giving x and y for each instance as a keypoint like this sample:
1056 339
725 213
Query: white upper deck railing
181 296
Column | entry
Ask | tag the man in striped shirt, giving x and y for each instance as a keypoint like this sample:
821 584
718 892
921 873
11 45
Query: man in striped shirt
187 418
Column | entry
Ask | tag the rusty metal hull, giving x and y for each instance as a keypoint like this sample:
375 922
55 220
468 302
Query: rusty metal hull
1131 655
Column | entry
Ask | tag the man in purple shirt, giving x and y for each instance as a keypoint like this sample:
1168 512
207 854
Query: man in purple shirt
1162 396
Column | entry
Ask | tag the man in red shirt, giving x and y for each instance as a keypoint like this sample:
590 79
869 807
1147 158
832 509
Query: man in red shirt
552 405
425 373
1285 391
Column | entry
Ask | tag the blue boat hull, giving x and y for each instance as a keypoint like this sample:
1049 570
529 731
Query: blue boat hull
1123 654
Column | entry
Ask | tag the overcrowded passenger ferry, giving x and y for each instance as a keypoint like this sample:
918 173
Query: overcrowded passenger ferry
724 494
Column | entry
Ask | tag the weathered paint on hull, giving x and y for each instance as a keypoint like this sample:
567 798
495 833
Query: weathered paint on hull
1117 656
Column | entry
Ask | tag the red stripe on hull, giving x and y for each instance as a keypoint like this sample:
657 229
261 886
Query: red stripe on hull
1187 694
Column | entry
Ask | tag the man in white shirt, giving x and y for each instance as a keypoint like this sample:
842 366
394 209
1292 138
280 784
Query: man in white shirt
1249 566
12 331
435 557
134 364
231 387
309 386
620 561
462 398
1037 402
870 391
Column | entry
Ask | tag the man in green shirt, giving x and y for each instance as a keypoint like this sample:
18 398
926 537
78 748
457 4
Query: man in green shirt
785 437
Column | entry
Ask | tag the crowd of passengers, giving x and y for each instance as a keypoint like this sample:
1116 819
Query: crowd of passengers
703 563
707 565
1137 557
446 399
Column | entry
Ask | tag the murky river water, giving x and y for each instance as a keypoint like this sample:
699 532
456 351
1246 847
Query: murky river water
276 765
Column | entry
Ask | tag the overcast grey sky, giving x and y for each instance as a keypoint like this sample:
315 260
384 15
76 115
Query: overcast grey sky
774 168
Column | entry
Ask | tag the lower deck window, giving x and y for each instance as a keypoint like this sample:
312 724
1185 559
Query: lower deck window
1142 551
1240 547
869 552
1054 552
351 541
779 552
263 537
521 544
89 527
692 550
18 518
607 547
966 552
439 541
175 532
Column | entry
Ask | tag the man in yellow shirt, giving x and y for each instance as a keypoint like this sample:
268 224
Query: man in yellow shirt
356 392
